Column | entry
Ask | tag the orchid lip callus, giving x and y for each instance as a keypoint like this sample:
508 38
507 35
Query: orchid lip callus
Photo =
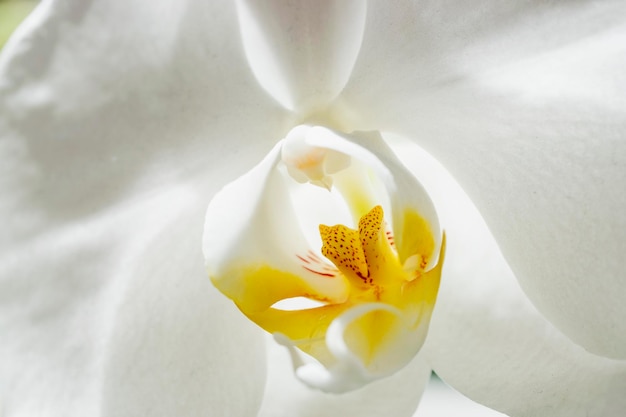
372 274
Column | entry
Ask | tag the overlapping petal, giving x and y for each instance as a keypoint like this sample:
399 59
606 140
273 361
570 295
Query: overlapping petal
115 126
524 103
505 338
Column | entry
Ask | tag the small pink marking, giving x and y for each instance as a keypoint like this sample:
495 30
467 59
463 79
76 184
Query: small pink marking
313 256
306 261
324 274
316 265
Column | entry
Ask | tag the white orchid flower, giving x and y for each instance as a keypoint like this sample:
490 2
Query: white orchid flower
119 122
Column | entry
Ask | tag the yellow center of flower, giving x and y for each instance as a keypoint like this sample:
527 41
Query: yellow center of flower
363 256
361 303
366 260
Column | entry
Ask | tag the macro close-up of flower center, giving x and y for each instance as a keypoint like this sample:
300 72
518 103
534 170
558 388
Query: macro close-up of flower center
375 276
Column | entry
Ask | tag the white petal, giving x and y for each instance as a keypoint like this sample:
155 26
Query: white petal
285 396
527 111
486 334
178 347
413 49
69 342
302 53
107 113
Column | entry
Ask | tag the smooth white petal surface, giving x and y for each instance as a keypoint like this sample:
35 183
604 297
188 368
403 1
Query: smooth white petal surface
285 396
524 103
301 52
179 347
115 124
487 340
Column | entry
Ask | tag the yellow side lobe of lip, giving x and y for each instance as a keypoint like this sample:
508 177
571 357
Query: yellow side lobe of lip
255 288
415 238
